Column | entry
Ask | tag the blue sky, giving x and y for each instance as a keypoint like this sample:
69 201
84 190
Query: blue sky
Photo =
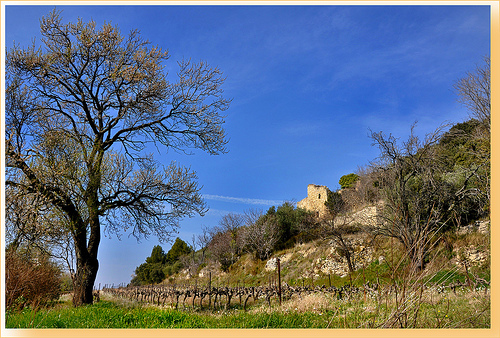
307 82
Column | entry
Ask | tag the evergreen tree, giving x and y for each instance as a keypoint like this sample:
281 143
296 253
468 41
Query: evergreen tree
178 249
157 256
347 181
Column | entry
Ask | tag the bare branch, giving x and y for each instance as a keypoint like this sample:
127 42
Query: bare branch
80 112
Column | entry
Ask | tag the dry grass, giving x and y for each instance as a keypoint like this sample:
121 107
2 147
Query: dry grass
433 309
315 303
121 301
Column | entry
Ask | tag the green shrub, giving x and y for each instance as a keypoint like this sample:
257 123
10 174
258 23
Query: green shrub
347 181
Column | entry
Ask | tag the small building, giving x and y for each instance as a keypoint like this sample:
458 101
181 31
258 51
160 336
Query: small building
315 201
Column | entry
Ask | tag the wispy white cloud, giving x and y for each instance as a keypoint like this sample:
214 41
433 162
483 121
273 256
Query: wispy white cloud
240 200
218 212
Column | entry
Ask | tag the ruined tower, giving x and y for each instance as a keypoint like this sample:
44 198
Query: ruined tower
315 200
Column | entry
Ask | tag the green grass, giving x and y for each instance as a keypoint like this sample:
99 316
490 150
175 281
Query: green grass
106 314
448 277
460 308
464 309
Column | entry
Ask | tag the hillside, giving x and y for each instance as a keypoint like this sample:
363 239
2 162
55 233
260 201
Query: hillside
420 216
322 262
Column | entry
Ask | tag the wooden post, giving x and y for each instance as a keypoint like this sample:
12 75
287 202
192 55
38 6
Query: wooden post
279 279
209 288
467 275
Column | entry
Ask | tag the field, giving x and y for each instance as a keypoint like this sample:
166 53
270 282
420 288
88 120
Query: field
429 308
381 295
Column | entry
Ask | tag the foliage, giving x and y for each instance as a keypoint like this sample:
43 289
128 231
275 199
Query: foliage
150 273
347 181
160 264
474 92
290 222
335 203
157 256
178 249
459 145
170 270
466 154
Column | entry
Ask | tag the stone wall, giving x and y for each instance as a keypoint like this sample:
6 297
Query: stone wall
367 216
471 256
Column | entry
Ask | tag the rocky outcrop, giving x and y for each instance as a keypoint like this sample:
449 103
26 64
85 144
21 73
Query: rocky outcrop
333 263
336 264
272 264
472 256
479 226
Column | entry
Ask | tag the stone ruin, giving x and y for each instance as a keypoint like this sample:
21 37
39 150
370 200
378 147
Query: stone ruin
315 200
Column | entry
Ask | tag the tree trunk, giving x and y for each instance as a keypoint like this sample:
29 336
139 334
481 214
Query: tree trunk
349 261
86 261
86 273
86 253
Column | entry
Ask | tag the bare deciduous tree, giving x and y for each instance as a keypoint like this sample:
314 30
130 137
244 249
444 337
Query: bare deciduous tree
203 241
475 93
417 201
226 240
80 113
370 182
336 227
261 233
32 224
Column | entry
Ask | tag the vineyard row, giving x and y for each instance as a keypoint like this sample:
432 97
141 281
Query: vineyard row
221 297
